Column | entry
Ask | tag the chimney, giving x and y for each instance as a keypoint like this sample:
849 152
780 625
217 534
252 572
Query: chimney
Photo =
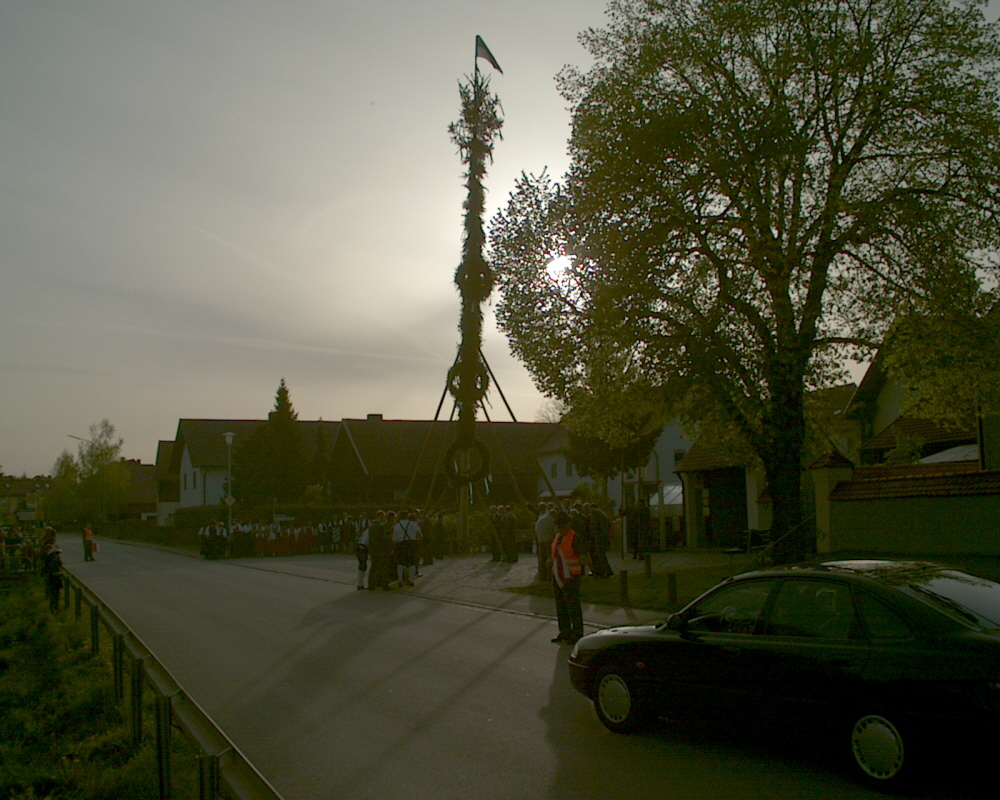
374 417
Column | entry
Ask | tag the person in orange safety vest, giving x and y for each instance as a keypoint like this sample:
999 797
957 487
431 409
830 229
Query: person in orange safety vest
566 566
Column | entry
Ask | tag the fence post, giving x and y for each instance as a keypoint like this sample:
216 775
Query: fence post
136 692
78 601
163 712
95 631
208 777
118 665
623 579
66 585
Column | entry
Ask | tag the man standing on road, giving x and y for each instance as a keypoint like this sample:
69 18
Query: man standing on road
545 529
567 567
600 541
89 545
496 543
404 536
380 549
508 535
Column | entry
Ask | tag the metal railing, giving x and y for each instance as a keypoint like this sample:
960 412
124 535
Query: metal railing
221 765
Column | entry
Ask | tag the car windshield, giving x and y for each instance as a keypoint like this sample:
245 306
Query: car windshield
974 601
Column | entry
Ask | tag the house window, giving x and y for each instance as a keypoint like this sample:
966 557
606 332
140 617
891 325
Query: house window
554 470
185 481
569 469
194 480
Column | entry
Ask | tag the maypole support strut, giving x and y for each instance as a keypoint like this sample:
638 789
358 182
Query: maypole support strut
467 459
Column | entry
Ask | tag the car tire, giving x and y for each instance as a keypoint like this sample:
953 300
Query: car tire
879 750
618 703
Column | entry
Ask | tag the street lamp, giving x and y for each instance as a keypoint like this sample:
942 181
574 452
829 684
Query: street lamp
229 485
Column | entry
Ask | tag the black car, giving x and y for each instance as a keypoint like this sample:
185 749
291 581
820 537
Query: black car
892 657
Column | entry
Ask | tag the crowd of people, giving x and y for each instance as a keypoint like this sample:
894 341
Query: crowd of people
36 549
393 543
390 547
592 529
17 550
570 541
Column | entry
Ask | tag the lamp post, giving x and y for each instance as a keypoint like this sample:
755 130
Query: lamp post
229 486
659 506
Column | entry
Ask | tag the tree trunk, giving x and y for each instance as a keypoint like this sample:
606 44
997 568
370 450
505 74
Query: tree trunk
784 436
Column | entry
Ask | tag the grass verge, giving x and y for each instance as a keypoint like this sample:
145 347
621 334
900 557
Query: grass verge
62 735
652 593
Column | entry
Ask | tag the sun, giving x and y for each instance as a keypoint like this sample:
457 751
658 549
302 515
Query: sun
557 267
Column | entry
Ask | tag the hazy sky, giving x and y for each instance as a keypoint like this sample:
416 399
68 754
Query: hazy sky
199 198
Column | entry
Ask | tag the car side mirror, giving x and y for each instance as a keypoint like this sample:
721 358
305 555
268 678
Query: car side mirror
675 622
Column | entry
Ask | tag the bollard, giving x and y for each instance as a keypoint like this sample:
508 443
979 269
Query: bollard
647 566
163 722
137 675
95 631
672 588
623 577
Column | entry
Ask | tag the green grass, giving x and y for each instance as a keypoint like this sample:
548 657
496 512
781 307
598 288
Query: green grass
62 735
652 593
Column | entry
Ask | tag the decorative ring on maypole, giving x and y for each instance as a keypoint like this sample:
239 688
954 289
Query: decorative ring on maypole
468 382
467 462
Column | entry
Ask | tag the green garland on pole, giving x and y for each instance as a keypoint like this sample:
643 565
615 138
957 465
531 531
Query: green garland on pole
467 459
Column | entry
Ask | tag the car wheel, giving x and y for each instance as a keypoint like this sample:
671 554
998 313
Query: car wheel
618 704
878 752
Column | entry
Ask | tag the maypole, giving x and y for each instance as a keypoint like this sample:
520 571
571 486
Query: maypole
467 459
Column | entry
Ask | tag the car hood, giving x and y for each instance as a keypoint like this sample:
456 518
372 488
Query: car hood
623 633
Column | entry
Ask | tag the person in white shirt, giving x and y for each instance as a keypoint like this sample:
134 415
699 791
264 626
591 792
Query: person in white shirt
361 551
545 529
404 537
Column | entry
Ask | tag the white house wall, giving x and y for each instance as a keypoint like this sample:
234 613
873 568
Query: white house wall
200 486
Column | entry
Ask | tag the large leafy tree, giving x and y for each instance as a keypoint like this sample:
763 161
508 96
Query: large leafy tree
594 457
758 190
95 484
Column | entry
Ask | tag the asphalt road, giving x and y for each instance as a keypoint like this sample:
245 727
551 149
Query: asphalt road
339 693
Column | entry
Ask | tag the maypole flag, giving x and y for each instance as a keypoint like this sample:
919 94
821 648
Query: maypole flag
482 51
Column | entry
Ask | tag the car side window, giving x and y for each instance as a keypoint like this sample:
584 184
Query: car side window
736 608
882 622
813 610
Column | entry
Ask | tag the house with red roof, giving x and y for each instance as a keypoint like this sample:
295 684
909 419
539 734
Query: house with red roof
947 502
372 460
